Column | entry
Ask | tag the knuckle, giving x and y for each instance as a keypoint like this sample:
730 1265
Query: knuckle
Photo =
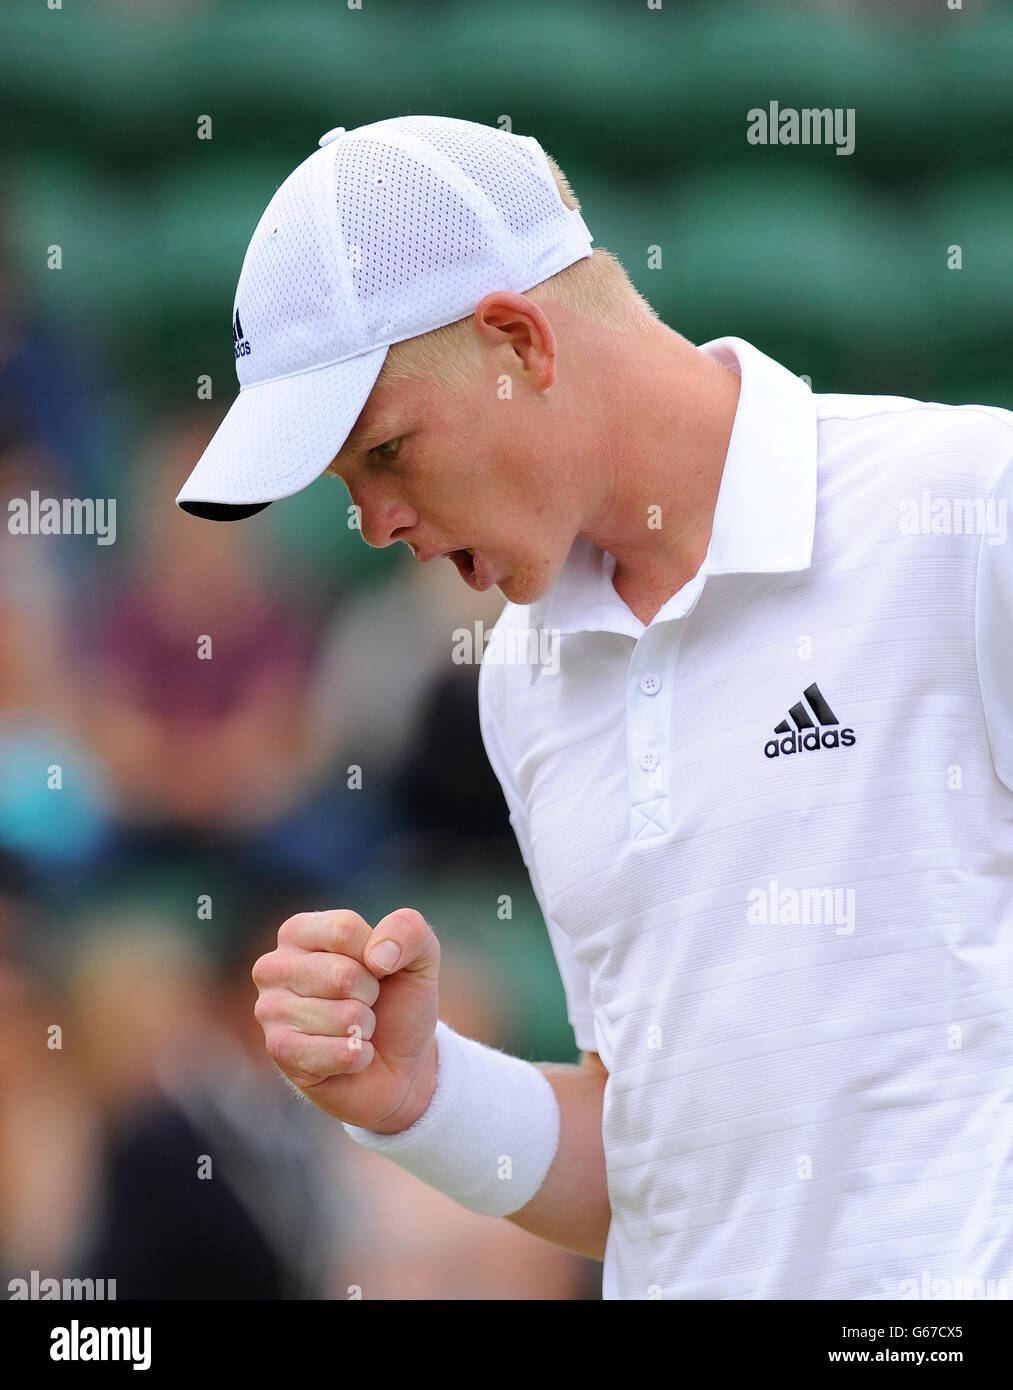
413 919
346 930
414 932
359 1018
425 941
291 1053
343 976
425 932
360 1054
290 929
263 970
276 1041
348 923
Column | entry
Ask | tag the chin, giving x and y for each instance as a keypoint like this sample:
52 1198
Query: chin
524 588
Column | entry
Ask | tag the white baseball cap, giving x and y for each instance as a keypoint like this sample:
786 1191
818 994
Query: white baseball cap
385 232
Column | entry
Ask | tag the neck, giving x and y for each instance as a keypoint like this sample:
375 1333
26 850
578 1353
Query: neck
670 412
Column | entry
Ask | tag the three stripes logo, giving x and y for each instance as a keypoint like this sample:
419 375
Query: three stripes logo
810 728
239 339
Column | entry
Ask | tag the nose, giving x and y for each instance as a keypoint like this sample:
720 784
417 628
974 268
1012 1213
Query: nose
384 520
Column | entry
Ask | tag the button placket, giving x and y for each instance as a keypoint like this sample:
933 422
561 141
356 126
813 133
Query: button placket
649 689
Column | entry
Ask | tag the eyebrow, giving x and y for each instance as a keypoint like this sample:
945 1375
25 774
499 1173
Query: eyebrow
385 427
380 431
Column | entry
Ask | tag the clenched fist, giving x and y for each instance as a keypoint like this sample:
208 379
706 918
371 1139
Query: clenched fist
352 1028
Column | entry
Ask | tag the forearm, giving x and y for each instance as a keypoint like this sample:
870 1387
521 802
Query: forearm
571 1208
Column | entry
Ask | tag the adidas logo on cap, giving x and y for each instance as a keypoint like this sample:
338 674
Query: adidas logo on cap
241 342
809 731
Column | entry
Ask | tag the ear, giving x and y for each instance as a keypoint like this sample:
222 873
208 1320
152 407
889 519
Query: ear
505 320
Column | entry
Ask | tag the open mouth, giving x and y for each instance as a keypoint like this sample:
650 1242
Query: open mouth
465 562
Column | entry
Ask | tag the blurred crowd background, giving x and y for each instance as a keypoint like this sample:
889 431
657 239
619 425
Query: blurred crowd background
161 815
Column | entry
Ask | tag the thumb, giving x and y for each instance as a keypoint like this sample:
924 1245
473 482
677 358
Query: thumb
403 940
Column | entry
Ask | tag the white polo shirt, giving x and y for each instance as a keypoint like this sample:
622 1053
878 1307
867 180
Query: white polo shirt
771 834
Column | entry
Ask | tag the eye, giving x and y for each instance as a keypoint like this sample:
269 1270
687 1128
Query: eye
388 449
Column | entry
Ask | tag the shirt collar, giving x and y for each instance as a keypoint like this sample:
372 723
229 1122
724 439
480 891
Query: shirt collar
764 517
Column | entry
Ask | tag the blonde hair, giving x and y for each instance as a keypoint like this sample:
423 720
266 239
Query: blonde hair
596 288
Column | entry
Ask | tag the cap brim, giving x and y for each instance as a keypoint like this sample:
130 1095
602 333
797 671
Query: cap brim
278 437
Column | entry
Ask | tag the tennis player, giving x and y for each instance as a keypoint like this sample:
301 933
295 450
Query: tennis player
764 789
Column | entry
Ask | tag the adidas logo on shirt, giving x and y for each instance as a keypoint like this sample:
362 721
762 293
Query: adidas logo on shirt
809 731
239 339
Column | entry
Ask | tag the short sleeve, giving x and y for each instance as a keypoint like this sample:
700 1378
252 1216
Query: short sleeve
575 976
993 629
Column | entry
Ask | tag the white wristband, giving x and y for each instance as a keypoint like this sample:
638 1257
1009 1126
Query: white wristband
489 1134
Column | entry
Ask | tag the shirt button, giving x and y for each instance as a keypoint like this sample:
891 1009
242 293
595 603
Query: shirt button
649 760
650 684
331 135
